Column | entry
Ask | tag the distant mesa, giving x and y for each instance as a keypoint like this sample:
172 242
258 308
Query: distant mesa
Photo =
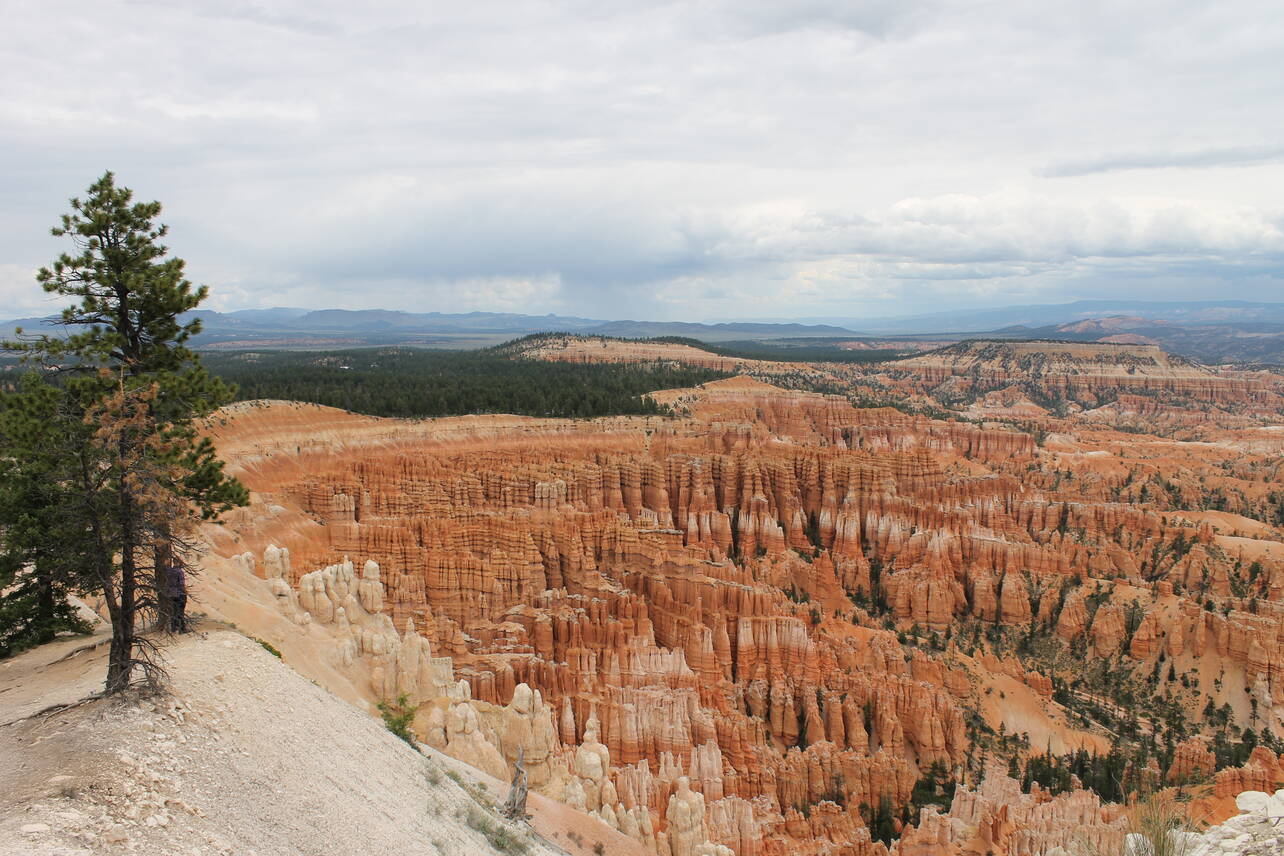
1108 325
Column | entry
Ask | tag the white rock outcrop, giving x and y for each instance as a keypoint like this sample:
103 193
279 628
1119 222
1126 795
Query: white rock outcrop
1258 830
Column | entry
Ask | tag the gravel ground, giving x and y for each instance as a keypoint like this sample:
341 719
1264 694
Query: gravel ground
241 756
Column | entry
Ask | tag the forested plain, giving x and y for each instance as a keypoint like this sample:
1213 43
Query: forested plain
413 383
788 350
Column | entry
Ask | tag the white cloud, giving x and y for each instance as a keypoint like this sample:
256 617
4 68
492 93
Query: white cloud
659 159
1007 228
22 296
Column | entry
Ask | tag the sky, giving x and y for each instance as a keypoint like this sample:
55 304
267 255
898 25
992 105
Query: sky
706 160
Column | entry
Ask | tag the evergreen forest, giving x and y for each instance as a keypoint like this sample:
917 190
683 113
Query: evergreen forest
408 382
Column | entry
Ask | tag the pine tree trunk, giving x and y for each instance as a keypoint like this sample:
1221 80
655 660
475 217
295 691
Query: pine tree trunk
118 598
120 662
163 560
46 621
120 659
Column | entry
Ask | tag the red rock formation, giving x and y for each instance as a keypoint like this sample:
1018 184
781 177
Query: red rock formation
703 597
998 818
1263 771
1079 371
1192 762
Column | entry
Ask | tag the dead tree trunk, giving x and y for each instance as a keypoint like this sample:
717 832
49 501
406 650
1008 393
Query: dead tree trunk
515 805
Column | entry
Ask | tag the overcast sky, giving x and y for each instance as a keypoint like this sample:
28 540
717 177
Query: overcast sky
695 160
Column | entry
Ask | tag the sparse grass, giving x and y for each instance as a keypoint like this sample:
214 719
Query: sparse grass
476 790
500 837
1155 818
269 647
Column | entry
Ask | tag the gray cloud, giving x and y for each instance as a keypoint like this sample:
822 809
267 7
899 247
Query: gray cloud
1204 158
669 159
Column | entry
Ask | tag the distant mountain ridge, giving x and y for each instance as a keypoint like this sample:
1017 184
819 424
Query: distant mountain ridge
286 327
1052 314
1212 332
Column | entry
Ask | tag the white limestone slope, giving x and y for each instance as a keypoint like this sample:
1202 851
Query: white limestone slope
243 756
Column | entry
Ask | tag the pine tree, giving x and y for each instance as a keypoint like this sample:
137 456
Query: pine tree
125 364
883 827
37 572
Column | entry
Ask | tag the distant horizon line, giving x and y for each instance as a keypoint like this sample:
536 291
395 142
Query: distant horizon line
810 320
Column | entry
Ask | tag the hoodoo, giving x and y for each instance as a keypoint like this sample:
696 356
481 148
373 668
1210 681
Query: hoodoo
759 626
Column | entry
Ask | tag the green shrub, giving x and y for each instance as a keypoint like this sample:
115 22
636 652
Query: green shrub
398 715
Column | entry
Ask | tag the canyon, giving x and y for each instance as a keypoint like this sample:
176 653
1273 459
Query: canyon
782 621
